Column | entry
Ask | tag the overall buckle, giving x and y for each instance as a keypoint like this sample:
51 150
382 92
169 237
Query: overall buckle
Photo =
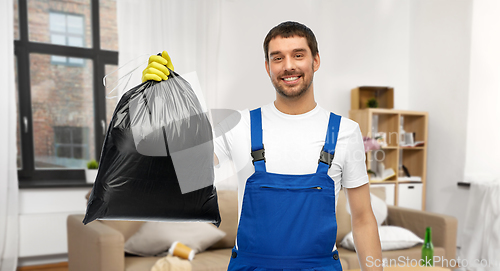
258 155
326 157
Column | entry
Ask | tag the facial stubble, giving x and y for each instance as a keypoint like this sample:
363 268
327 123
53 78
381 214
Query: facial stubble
301 92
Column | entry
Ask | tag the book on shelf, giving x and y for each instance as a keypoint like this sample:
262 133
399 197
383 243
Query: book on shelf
386 174
415 144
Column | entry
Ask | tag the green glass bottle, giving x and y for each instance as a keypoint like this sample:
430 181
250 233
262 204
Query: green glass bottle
427 249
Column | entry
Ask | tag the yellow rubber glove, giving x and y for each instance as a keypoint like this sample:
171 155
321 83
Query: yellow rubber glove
157 68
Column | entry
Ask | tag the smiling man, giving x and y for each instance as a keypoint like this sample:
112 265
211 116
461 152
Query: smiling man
293 156
291 65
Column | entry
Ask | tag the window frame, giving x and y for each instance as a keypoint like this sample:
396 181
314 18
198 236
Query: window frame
28 176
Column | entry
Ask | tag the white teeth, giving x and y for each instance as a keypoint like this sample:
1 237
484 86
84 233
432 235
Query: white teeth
291 78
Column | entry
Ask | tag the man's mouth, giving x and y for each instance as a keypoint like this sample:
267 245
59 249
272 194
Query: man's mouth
291 79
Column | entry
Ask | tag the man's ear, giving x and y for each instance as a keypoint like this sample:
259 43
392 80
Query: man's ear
267 67
316 62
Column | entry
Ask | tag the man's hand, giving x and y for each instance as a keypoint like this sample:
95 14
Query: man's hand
157 68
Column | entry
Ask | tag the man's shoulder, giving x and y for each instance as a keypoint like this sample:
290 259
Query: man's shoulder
346 124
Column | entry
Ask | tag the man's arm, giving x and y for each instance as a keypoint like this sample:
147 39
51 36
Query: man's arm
216 160
364 228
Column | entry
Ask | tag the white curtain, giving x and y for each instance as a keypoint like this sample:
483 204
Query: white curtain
188 30
481 236
9 238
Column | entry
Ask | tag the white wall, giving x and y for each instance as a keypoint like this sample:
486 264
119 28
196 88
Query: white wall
439 84
361 42
42 222
483 118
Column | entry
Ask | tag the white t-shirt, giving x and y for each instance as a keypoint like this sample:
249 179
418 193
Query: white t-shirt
293 144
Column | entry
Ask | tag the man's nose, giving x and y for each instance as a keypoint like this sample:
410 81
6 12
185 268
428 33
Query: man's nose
289 64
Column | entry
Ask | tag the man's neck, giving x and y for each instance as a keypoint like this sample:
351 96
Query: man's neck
295 106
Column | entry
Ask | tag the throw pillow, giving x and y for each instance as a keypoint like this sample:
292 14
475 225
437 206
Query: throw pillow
155 238
391 238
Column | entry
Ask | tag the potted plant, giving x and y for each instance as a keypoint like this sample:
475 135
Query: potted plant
91 171
372 103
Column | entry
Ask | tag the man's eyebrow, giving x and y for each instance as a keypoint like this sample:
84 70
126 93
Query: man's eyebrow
299 50
294 50
274 53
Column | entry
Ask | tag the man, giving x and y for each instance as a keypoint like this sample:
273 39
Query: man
287 197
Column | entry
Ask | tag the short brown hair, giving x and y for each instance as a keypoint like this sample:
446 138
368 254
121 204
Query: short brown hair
290 29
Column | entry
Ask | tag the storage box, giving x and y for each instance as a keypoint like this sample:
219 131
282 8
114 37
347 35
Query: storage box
410 195
361 95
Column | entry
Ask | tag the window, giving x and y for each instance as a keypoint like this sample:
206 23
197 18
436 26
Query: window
66 29
62 22
71 143
60 97
62 107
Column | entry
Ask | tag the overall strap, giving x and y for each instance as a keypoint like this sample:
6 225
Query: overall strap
259 161
328 151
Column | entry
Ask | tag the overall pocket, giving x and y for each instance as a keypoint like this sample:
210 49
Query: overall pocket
292 188
284 220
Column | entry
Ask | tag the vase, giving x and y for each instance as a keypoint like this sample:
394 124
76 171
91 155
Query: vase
90 175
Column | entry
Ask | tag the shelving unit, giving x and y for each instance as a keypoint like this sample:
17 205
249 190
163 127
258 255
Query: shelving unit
383 95
374 120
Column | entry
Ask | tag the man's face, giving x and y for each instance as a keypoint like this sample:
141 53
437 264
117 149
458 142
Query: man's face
291 66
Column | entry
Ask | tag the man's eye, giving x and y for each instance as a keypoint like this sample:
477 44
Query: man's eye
299 55
277 58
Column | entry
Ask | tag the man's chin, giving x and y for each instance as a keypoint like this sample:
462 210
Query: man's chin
290 93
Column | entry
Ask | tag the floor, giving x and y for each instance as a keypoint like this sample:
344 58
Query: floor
46 267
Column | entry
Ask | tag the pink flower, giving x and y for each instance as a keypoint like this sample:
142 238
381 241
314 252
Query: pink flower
370 144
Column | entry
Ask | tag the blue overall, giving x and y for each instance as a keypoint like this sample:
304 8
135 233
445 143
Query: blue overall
288 221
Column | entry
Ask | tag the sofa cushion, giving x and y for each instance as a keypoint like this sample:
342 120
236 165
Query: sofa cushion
134 263
391 238
345 265
228 208
154 238
212 260
127 228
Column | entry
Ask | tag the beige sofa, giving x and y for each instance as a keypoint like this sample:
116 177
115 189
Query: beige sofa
99 246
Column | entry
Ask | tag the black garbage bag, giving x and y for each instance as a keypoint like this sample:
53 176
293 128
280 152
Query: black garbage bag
157 160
